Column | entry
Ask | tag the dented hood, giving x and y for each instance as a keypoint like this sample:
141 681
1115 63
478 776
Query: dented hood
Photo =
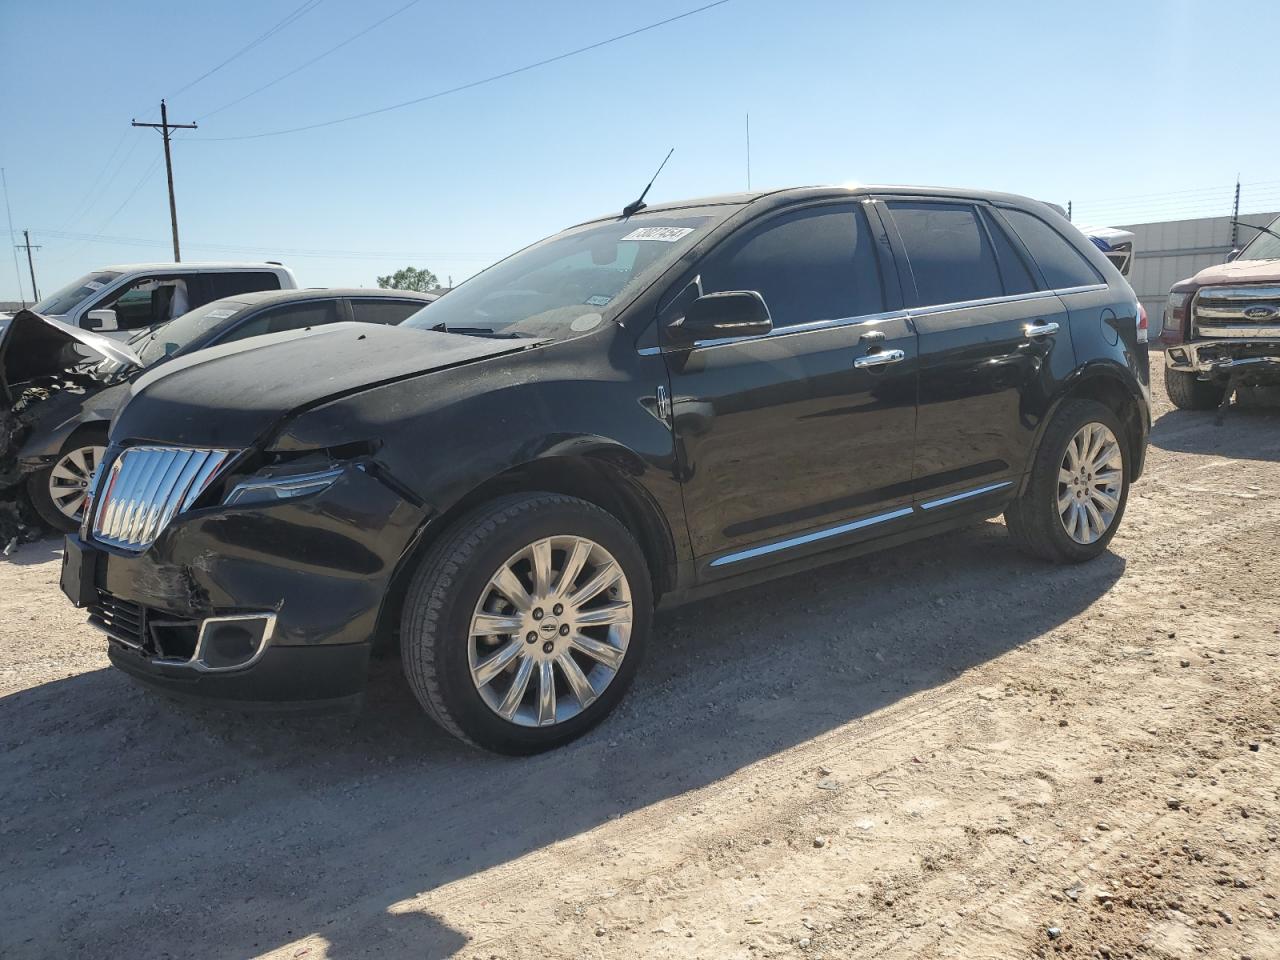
234 395
33 346
1240 271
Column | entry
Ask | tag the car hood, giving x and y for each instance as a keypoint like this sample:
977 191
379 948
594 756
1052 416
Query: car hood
34 346
235 395
1239 271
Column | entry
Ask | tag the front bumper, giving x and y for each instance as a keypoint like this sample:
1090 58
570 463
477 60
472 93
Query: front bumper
1211 359
296 589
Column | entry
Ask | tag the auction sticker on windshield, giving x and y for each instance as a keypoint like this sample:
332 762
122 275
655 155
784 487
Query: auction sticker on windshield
665 234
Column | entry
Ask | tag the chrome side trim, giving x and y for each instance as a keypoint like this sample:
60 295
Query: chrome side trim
956 497
810 537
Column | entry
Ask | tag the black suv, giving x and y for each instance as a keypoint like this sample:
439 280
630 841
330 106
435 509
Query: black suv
647 406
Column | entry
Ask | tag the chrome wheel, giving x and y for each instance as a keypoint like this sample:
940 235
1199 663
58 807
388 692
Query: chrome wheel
69 479
1090 481
550 631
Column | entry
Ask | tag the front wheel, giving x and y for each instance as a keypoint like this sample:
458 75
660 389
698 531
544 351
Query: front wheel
1079 484
59 490
526 621
1189 392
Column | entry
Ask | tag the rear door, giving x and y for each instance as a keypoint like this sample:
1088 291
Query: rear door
793 442
993 345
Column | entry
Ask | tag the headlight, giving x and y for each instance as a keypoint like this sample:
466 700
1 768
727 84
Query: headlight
1175 311
265 489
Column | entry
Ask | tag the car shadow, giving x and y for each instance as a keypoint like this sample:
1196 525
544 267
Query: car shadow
1249 431
128 820
35 552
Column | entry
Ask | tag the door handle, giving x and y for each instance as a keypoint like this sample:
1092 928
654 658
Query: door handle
1040 329
879 359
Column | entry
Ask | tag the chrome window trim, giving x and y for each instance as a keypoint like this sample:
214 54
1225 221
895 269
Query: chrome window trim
904 314
965 495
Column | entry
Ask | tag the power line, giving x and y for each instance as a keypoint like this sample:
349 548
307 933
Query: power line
319 56
16 269
89 195
283 251
297 14
473 83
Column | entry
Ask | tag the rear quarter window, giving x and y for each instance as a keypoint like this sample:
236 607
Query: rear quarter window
384 311
1061 263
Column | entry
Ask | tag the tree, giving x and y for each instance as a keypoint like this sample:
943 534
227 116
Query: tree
410 278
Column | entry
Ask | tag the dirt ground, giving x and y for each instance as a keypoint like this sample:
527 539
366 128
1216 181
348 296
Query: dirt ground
942 751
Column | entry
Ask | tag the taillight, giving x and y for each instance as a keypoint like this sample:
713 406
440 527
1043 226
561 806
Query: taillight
1143 332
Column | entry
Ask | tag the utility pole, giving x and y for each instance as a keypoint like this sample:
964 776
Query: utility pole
1235 216
26 235
748 152
164 126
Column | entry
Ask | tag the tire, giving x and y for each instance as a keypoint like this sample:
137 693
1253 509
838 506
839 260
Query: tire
1038 521
446 661
1188 392
51 485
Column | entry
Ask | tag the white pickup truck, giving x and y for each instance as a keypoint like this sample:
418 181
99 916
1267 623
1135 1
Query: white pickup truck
120 301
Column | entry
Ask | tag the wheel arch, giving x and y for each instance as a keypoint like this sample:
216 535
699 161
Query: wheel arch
1107 384
600 472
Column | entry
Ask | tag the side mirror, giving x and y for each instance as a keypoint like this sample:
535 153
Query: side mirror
1233 254
714 316
103 320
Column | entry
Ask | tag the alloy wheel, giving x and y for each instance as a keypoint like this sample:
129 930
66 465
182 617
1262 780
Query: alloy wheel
1090 481
69 479
550 631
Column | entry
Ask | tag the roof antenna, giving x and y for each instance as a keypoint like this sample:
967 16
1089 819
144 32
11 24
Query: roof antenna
638 204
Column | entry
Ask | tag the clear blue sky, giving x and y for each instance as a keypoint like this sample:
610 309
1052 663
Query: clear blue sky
1120 108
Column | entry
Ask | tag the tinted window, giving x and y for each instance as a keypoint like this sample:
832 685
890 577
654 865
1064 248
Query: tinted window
384 311
294 316
1013 268
1062 264
950 253
219 285
816 264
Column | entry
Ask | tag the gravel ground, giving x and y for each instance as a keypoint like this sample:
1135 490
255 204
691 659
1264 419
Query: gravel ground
946 750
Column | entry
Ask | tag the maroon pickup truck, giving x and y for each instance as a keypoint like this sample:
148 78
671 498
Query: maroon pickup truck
1222 326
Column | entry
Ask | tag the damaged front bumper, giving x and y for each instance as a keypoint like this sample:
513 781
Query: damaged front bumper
1256 361
273 605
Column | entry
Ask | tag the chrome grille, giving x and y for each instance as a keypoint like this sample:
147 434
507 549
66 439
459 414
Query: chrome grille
146 487
1237 311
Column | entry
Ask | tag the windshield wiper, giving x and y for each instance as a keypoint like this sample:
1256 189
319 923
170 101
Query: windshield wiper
480 332
1253 226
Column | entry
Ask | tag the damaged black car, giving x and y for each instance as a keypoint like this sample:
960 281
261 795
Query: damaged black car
656 405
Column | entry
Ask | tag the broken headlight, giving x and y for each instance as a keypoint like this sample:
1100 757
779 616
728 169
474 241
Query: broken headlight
273 487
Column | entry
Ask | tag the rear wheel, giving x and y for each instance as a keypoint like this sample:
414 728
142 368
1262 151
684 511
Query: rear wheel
525 623
1188 392
1079 484
58 491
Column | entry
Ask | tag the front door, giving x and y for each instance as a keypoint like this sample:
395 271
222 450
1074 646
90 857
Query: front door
801 439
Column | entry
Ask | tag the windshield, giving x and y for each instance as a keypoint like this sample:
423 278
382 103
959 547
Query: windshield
1264 246
73 294
179 333
565 285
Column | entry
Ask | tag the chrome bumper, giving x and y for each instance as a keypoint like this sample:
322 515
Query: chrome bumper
1221 357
